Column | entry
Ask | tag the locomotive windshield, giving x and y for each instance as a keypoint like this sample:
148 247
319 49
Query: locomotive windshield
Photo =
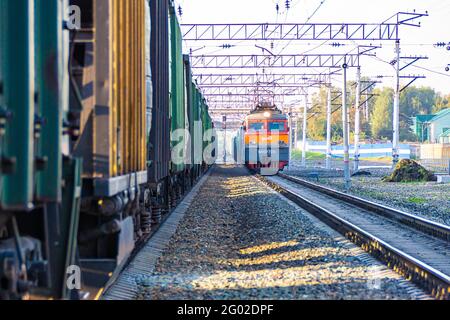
276 126
256 126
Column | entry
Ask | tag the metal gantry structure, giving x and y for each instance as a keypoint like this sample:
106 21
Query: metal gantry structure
296 31
252 79
271 74
277 61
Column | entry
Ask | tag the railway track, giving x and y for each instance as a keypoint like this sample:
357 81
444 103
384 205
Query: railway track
192 266
124 284
416 248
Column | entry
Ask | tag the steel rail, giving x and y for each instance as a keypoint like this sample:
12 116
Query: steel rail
118 274
427 277
432 228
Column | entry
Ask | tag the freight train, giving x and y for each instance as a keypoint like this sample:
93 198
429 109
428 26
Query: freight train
90 116
262 142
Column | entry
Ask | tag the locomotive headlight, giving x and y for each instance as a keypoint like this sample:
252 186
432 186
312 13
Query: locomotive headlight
267 114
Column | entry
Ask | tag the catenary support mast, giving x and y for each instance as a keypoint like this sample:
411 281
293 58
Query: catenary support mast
305 128
357 118
329 111
396 116
345 129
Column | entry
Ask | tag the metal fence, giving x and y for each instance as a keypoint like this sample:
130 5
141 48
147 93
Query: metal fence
439 166
337 163
436 165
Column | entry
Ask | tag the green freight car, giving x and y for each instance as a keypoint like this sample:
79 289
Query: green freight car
86 121
188 110
197 134
40 179
199 122
208 135
177 88
191 120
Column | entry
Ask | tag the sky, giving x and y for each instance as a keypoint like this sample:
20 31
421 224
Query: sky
415 41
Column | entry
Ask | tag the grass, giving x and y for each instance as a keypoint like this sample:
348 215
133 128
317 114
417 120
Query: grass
417 200
297 155
378 159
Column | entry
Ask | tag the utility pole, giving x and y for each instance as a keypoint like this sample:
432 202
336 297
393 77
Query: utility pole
305 124
290 136
296 133
357 118
329 127
348 125
225 139
345 129
396 117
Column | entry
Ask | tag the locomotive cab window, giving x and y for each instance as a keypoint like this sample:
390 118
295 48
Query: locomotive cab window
256 126
277 126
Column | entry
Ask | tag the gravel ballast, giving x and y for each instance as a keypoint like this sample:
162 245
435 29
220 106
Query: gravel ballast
241 240
429 200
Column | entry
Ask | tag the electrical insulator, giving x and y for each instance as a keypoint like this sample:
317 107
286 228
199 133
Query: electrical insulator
288 4
277 8
180 11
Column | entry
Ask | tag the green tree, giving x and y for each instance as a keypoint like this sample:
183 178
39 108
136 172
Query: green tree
317 116
317 120
414 101
441 102
381 118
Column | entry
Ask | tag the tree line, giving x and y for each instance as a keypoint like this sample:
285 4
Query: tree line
376 115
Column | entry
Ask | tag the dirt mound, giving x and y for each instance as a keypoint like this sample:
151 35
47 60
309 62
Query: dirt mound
409 171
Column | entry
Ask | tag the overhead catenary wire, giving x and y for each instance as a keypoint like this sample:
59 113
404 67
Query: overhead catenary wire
310 46
415 66
322 2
